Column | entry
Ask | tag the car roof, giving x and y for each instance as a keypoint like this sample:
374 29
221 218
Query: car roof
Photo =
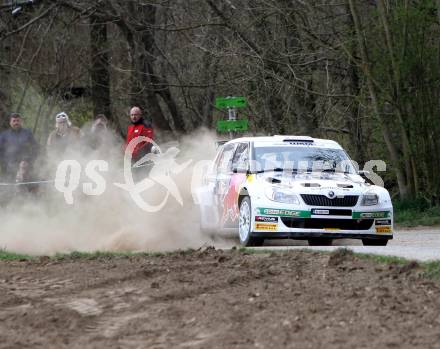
287 140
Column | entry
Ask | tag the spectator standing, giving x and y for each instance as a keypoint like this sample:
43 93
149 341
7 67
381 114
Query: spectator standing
139 127
97 133
100 141
18 150
64 138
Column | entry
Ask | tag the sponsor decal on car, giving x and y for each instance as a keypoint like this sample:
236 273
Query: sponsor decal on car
320 212
250 178
383 221
283 212
331 212
380 230
303 144
266 226
266 219
380 214
230 199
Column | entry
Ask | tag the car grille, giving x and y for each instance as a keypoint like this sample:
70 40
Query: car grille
327 223
322 200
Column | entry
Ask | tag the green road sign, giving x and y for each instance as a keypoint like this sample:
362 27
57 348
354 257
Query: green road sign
230 102
232 125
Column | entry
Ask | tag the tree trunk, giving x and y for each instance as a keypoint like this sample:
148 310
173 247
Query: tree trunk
158 84
354 123
406 148
99 73
141 93
365 65
5 87
3 107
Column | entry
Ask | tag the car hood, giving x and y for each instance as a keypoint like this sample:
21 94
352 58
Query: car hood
316 182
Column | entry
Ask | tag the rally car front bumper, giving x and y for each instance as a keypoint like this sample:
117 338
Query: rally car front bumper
306 224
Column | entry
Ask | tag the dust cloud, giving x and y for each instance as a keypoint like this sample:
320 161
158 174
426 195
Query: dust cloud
44 224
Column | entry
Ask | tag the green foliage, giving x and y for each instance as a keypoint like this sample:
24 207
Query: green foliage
412 218
432 269
10 256
383 259
429 269
291 62
409 89
411 213
81 113
420 204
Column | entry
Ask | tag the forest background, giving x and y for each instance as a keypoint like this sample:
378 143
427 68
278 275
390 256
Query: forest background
365 73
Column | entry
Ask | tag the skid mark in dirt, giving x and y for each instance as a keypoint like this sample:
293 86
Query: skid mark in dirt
85 306
31 287
218 299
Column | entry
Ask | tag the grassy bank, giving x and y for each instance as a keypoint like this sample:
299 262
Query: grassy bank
428 269
10 256
416 212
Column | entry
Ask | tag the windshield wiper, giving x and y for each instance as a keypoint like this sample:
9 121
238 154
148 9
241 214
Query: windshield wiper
332 170
328 170
276 169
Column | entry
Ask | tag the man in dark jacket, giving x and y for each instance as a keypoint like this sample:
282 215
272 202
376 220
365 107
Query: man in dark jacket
18 149
139 127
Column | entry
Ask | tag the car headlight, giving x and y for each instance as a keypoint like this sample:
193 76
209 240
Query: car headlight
370 200
280 195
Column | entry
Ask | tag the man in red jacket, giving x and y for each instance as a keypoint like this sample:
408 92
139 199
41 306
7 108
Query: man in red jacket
139 127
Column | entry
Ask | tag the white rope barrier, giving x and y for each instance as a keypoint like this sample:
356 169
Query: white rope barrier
26 183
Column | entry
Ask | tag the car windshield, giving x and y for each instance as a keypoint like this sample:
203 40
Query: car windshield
302 159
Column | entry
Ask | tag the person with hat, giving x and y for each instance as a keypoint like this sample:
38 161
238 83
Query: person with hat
18 150
65 136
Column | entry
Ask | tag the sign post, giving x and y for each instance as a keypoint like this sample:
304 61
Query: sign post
232 124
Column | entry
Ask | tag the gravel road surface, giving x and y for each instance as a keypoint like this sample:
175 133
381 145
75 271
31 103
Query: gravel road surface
420 243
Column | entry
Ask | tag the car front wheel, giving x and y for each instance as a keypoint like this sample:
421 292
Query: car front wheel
245 225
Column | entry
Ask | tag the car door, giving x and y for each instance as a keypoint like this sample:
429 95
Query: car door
236 177
214 186
223 173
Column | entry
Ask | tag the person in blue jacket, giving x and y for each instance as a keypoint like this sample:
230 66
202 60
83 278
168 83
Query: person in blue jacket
18 150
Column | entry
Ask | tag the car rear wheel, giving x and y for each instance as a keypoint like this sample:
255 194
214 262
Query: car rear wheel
374 242
320 241
245 225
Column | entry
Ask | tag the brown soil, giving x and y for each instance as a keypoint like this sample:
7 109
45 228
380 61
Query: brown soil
217 299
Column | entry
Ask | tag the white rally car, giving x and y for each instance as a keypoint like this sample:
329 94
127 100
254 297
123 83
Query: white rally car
292 187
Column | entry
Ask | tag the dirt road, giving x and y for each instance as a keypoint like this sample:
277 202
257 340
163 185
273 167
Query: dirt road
421 244
217 299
